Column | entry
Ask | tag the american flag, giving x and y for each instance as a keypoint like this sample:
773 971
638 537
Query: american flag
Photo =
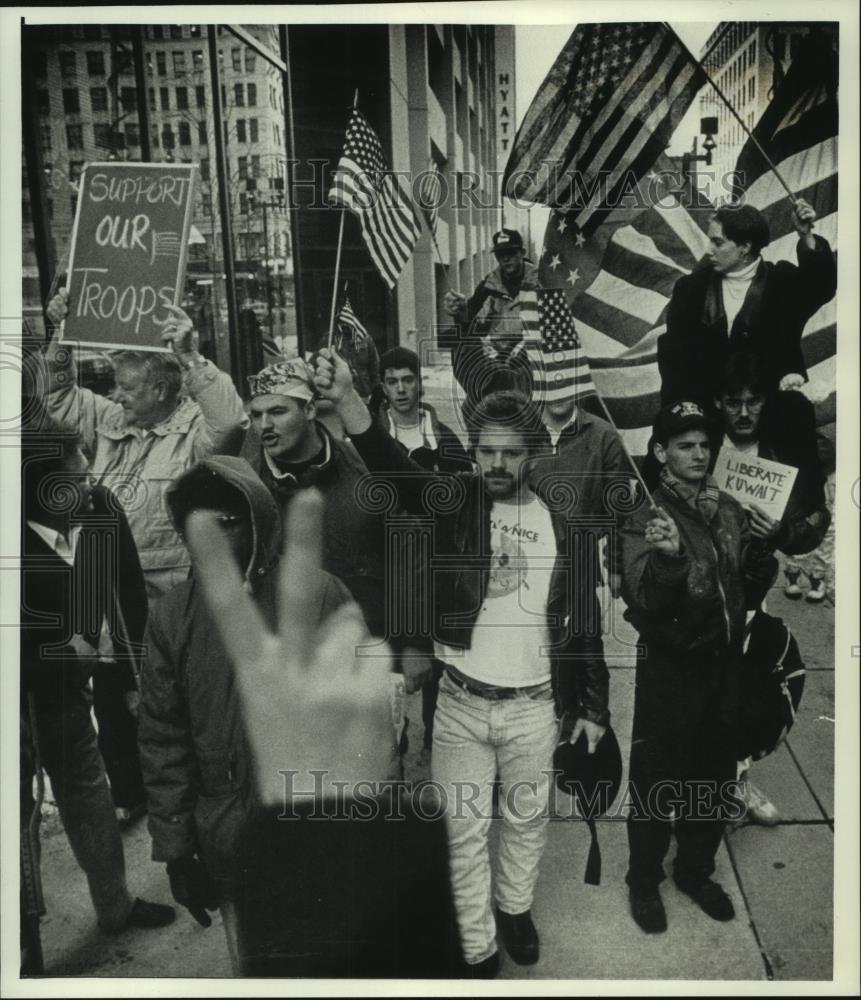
350 321
603 115
362 183
429 194
560 368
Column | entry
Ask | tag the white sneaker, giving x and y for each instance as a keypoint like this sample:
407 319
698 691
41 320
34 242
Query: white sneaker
758 808
792 591
817 590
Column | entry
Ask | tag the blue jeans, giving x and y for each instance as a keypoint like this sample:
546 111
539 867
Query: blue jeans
475 739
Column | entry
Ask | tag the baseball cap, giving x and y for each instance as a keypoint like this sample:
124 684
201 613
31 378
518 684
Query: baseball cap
284 378
507 239
678 418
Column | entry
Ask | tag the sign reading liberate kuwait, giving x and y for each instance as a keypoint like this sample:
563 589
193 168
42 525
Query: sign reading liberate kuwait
128 252
754 480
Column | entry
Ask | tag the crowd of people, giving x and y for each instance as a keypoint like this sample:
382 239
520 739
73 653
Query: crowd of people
231 590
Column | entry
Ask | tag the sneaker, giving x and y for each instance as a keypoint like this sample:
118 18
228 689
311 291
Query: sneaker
792 590
519 936
486 969
817 590
710 898
647 909
758 807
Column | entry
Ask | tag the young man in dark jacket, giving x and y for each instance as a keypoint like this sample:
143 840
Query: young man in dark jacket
690 572
241 752
83 601
736 300
510 629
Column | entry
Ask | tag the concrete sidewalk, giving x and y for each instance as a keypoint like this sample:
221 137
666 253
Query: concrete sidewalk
780 879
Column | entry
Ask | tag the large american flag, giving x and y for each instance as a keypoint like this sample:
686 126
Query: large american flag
363 184
605 112
560 368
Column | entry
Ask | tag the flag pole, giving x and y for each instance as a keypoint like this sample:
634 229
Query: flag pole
628 455
338 256
737 116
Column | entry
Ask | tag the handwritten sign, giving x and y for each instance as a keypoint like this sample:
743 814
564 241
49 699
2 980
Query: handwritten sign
754 480
128 252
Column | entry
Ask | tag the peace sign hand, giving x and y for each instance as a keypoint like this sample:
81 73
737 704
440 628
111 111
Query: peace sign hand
308 701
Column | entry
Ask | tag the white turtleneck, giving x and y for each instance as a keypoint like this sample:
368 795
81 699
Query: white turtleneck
734 289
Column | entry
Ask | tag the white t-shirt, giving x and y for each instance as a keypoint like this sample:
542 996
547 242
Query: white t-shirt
510 638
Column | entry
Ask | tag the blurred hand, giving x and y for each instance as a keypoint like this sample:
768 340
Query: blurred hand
803 217
308 701
192 887
662 533
454 303
614 584
132 700
593 732
791 381
761 525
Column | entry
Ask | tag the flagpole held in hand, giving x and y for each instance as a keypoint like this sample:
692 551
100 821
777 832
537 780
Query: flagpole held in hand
338 257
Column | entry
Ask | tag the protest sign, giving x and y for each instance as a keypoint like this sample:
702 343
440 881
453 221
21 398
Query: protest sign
754 480
128 255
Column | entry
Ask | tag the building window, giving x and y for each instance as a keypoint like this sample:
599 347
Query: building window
168 139
45 132
197 59
252 95
242 163
161 63
102 136
178 63
68 63
99 98
153 139
204 169
255 166
96 63
250 60
182 98
223 96
243 208
71 103
176 32
204 207
43 102
201 133
164 95
76 168
151 93
184 134
132 134
236 56
252 130
128 98
240 130
239 95
200 96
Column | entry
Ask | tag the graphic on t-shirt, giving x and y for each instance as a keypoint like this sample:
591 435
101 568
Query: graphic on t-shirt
507 566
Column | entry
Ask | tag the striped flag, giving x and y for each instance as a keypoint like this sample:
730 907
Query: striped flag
560 368
349 321
619 281
429 194
799 132
363 184
603 115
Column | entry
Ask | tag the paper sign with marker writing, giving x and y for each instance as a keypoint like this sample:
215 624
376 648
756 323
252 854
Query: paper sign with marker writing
129 250
754 480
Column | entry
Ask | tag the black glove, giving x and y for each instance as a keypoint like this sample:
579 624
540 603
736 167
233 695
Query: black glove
192 888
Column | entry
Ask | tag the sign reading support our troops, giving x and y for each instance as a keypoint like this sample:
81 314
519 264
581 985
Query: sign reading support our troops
128 252
754 480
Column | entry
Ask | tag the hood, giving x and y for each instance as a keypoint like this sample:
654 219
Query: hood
236 472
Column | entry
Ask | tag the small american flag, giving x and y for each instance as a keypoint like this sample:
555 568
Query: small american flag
362 183
349 320
560 368
430 191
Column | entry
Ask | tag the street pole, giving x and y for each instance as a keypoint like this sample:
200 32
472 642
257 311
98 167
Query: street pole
265 207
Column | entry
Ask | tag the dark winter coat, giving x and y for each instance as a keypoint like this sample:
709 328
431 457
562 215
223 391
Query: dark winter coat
781 299
449 454
196 762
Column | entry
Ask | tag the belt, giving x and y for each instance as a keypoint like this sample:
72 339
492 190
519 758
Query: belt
493 693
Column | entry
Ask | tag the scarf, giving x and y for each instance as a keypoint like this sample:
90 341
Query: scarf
703 498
